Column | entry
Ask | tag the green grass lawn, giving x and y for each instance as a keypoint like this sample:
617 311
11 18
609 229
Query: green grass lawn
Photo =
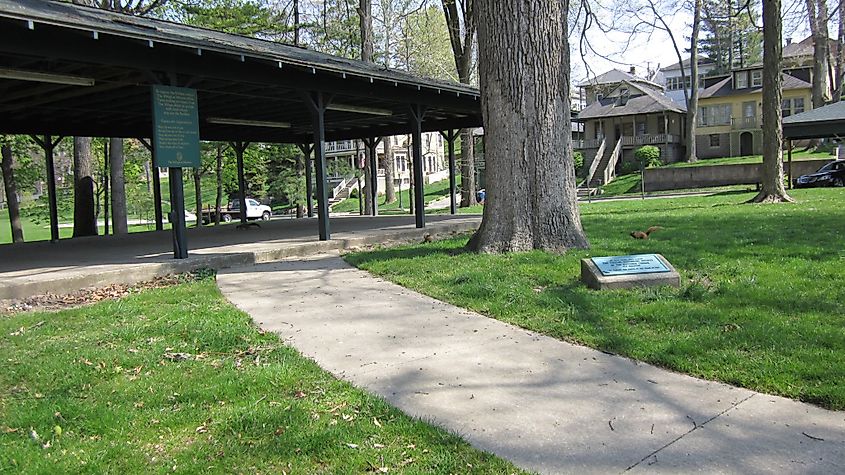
762 301
178 380
750 159
433 191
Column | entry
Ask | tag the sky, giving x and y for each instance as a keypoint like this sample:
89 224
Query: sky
648 50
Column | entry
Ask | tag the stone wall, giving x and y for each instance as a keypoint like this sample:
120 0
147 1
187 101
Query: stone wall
658 179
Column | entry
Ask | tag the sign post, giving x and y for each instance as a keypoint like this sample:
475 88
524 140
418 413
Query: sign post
176 144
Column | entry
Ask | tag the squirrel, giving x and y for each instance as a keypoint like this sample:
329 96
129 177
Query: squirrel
644 235
428 238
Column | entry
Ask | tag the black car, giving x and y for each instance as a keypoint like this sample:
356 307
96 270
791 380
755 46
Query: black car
831 174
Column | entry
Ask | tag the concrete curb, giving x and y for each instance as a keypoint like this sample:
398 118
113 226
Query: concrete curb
134 273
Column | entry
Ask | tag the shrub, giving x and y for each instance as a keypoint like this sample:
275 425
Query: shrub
353 193
629 167
578 160
648 156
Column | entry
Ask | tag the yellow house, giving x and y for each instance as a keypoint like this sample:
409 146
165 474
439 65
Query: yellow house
729 111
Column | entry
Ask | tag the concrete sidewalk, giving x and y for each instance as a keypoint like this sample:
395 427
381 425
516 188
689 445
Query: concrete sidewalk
546 405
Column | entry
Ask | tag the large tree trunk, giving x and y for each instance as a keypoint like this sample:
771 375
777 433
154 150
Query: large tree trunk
300 173
772 190
388 163
365 24
817 12
218 202
84 209
118 187
11 193
468 197
461 23
840 54
692 105
366 177
524 77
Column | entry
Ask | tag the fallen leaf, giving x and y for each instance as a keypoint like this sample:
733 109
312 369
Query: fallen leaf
378 446
202 429
376 422
352 446
299 395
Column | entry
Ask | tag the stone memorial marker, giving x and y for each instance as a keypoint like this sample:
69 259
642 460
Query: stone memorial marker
623 272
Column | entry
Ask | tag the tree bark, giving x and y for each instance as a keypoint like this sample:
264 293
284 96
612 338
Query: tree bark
300 173
525 86
198 195
817 12
840 54
462 38
118 187
388 163
218 202
692 105
365 23
468 197
11 193
772 190
84 209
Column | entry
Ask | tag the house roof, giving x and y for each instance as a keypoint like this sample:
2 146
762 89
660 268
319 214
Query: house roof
686 62
615 76
725 88
650 101
267 84
825 121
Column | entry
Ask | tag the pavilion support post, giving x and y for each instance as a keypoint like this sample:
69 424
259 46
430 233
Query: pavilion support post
177 213
49 145
450 136
306 149
159 216
318 102
372 180
789 161
240 148
416 118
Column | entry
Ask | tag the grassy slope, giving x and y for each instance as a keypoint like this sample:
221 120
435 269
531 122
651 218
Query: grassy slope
247 404
433 192
762 303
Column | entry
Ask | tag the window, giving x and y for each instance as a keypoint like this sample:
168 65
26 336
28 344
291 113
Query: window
677 83
661 125
642 128
798 105
719 114
715 140
741 80
757 78
792 106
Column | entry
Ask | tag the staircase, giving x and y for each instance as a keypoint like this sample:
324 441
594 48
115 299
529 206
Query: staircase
602 170
342 191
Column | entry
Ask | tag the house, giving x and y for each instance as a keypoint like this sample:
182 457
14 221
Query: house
729 111
676 78
623 113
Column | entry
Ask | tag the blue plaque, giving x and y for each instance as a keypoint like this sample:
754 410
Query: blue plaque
176 135
628 265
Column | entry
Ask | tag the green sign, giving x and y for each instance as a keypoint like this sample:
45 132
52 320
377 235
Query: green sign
176 135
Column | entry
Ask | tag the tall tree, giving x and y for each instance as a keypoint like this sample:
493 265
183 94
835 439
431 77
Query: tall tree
461 22
730 33
84 208
772 190
524 69
11 188
117 181
817 13
365 18
839 61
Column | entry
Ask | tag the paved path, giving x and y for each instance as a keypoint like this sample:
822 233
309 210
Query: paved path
544 404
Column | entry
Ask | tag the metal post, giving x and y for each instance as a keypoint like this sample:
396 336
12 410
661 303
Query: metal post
177 214
156 184
317 102
450 137
240 148
416 118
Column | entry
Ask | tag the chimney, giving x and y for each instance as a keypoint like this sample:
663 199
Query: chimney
789 41
633 71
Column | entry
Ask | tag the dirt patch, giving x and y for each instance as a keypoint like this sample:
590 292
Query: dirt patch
91 295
